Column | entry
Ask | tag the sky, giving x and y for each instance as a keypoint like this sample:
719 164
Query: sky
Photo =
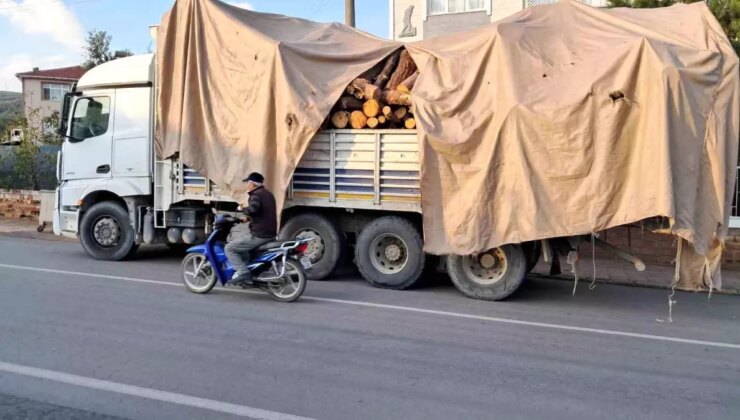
51 33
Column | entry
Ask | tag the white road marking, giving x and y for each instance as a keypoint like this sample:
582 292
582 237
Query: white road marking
416 310
148 393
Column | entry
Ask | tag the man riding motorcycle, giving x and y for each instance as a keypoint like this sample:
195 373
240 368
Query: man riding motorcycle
261 229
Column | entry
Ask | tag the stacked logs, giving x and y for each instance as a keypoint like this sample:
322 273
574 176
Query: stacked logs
380 97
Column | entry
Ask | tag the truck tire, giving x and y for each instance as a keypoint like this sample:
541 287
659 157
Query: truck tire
390 253
532 251
493 275
326 251
106 233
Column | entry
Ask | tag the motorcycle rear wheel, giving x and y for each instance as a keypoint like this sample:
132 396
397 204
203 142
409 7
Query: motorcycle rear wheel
197 274
291 286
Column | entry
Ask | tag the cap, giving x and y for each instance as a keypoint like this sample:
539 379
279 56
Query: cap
255 177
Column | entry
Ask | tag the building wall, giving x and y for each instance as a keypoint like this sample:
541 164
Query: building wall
19 204
33 99
504 8
398 9
436 25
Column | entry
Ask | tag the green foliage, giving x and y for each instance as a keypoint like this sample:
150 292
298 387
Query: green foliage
27 158
97 49
11 107
727 13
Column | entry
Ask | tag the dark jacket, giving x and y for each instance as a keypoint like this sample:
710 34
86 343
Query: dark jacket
263 213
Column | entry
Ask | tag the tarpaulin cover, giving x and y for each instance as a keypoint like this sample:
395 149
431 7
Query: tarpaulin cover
241 91
559 120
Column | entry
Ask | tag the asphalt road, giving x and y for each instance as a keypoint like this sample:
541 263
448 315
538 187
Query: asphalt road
88 339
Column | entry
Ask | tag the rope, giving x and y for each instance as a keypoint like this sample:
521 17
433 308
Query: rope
573 258
575 277
708 275
676 276
594 235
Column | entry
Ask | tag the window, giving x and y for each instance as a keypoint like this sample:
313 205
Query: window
437 7
90 118
53 91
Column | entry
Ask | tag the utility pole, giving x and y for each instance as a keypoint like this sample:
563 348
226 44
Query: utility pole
349 13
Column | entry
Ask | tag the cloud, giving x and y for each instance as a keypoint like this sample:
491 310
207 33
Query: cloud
43 17
14 64
241 4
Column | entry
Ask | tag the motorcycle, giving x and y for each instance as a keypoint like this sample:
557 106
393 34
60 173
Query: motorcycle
277 267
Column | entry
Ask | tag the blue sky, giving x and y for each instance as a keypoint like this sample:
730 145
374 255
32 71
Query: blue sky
50 33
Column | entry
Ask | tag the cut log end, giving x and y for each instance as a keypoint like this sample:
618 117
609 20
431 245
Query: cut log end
382 119
400 113
387 111
357 119
340 119
409 123
372 122
371 108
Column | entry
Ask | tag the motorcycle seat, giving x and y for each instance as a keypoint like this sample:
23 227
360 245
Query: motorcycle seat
269 245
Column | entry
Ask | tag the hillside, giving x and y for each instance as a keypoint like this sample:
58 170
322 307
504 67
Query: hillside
11 105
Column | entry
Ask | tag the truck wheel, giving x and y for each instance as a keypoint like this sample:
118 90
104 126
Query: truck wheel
106 233
390 253
328 246
532 251
493 275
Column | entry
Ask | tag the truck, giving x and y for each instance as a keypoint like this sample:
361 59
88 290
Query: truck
356 193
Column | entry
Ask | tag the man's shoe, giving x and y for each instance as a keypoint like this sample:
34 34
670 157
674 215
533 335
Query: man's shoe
240 279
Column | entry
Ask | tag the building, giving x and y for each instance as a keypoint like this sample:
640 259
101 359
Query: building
412 20
44 90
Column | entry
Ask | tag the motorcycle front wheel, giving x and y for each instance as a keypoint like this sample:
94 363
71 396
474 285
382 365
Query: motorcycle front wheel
290 287
197 273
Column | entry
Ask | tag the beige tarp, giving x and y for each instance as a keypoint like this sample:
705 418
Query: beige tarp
242 91
558 120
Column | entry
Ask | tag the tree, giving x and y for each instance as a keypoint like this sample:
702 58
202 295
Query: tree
727 13
27 160
97 49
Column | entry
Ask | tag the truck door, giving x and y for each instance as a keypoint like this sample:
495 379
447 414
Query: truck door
86 153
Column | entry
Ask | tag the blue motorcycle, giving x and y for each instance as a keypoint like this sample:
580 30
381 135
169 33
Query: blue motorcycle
276 267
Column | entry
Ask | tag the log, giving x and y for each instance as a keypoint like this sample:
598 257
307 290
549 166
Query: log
390 65
406 67
374 71
371 108
372 122
387 111
362 89
394 97
409 123
357 119
382 119
340 119
349 102
408 84
400 113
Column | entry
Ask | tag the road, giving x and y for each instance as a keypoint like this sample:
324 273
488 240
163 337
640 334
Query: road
89 339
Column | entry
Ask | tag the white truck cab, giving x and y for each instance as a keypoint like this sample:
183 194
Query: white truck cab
106 157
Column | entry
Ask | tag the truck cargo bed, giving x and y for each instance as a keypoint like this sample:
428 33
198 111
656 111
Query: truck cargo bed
358 169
